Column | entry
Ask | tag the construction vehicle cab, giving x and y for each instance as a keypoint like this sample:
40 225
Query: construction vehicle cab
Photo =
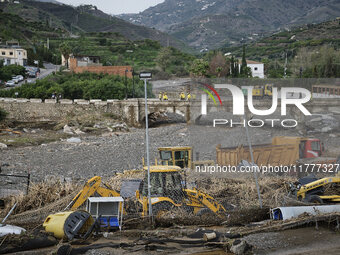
263 91
168 192
166 182
176 156
308 147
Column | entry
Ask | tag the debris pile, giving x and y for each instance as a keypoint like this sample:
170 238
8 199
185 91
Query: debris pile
40 195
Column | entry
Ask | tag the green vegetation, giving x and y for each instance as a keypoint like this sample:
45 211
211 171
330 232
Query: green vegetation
114 49
324 63
70 30
199 67
311 36
3 114
81 86
6 72
215 64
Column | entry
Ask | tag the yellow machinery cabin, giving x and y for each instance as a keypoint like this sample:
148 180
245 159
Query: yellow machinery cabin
263 91
176 156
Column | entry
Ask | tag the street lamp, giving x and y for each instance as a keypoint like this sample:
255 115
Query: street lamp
145 77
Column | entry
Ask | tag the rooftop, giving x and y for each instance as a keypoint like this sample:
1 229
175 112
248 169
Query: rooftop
250 61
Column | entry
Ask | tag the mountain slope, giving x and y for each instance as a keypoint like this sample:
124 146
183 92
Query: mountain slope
212 23
85 19
311 36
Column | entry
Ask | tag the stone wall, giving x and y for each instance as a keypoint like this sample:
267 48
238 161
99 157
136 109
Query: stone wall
132 111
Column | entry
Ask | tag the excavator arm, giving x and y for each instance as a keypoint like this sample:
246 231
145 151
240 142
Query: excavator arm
91 187
198 198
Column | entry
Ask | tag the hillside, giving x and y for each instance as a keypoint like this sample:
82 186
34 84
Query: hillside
84 19
213 23
112 48
311 36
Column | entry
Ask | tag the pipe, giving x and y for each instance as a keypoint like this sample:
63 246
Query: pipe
286 213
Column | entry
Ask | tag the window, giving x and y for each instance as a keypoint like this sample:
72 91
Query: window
316 146
3 53
255 68
11 53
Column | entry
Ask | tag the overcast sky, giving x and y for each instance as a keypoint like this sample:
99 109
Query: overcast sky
116 6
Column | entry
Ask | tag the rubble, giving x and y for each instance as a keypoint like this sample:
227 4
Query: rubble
239 247
74 140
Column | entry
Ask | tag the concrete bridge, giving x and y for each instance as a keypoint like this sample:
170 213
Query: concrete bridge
132 110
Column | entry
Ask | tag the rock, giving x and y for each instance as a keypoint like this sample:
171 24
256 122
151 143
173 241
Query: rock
26 130
316 119
327 117
79 132
119 127
239 247
3 146
68 130
74 140
326 129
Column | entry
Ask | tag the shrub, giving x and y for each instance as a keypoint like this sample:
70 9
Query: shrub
3 114
81 86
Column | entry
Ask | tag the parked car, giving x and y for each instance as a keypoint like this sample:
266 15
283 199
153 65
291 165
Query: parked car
15 79
20 77
10 83
32 74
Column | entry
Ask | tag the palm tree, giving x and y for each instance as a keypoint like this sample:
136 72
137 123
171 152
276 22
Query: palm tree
66 51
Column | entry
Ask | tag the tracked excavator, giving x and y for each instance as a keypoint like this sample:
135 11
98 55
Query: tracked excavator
167 193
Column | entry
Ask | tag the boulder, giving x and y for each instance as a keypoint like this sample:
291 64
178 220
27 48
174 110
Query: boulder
74 140
79 132
239 247
68 130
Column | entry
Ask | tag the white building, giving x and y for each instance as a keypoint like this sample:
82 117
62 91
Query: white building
12 55
257 68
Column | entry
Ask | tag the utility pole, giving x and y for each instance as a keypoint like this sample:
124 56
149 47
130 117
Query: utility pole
133 83
285 69
145 77
253 161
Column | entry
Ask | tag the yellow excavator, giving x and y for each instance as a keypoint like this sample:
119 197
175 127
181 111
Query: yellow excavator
312 190
167 193
92 187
